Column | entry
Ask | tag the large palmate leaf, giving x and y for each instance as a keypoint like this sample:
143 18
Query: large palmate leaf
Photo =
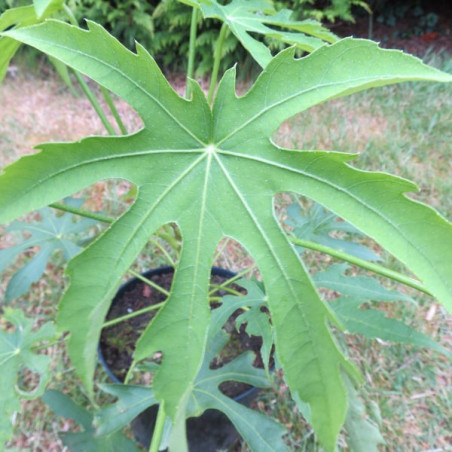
215 172
16 354
248 17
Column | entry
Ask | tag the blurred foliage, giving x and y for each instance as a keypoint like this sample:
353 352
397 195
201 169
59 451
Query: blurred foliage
163 27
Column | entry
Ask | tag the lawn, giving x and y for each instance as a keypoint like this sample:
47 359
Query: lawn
404 130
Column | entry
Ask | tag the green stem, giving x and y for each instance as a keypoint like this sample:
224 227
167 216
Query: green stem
109 220
82 213
231 280
129 373
70 15
113 110
168 236
89 94
158 429
149 283
216 62
379 269
221 249
132 315
216 287
191 51
165 253
49 344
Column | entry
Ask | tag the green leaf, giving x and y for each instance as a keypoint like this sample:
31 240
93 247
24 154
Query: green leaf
132 400
49 233
253 16
222 162
85 441
16 354
359 287
363 433
373 324
316 225
62 405
43 6
257 321
259 431
21 17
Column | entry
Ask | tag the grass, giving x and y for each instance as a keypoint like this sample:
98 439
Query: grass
404 130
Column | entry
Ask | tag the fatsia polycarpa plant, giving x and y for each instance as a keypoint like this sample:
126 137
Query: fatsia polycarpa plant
214 170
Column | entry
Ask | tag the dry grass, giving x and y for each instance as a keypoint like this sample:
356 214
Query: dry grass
410 385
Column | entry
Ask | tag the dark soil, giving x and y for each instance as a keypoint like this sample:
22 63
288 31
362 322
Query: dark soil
117 342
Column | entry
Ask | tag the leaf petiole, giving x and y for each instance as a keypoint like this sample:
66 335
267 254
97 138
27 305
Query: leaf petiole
113 110
158 429
216 62
90 95
132 315
379 269
191 51
231 280
149 282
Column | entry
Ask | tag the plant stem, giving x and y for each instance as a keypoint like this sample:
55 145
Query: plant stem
165 253
379 269
113 110
231 280
109 220
221 249
132 315
191 51
149 282
82 213
216 287
70 15
158 429
89 94
216 62
168 237
59 340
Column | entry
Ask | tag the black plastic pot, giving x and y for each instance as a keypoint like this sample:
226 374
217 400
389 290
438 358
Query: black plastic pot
211 431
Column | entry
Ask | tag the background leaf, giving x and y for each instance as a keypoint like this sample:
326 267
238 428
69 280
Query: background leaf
371 323
85 441
16 354
358 287
256 320
254 16
259 431
51 232
132 400
21 16
363 433
317 224
43 6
